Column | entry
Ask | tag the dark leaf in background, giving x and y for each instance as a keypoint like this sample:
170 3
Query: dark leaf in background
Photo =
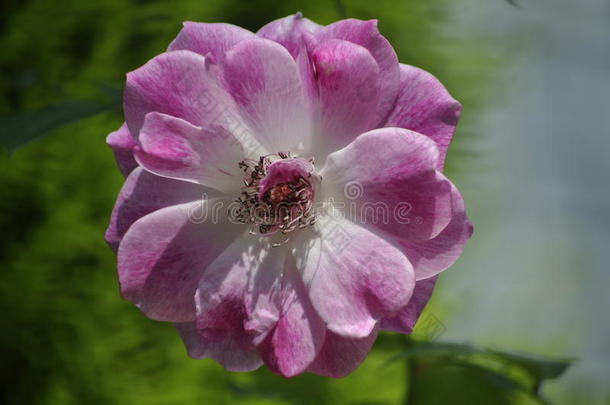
441 381
21 128
475 375
538 367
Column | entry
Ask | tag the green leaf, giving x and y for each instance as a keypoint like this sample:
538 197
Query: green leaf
539 367
442 381
435 349
21 128
472 374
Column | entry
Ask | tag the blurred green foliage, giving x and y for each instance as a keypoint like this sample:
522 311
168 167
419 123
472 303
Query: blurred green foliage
67 336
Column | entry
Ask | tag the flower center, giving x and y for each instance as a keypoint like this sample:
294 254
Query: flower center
278 193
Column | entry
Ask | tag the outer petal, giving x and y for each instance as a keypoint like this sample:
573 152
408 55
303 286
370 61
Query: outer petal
239 279
171 147
349 89
122 144
289 31
404 321
264 81
424 105
366 34
299 332
163 255
226 352
405 196
185 85
252 294
143 193
354 277
435 255
214 39
342 355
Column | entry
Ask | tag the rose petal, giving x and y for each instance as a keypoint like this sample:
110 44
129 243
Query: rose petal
264 81
122 144
342 355
424 105
366 34
143 193
226 352
435 255
404 321
171 147
354 277
163 255
405 196
204 38
235 295
185 85
309 75
299 332
289 31
348 84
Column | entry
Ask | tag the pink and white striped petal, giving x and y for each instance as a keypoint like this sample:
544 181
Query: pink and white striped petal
366 34
424 105
164 254
404 321
342 355
143 193
122 143
226 351
355 278
299 332
405 196
348 83
172 147
264 81
433 256
185 85
289 31
213 39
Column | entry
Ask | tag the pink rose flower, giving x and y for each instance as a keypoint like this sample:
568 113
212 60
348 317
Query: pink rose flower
239 150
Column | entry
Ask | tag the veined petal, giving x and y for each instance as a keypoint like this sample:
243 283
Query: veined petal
172 147
405 196
253 295
163 255
209 39
424 105
366 34
226 352
289 31
122 144
264 81
354 277
239 279
435 255
342 355
404 321
299 332
185 85
349 88
143 193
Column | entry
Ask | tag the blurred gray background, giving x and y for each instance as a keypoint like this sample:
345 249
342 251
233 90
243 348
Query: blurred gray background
535 276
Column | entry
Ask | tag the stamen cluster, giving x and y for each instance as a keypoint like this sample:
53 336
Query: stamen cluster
282 208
